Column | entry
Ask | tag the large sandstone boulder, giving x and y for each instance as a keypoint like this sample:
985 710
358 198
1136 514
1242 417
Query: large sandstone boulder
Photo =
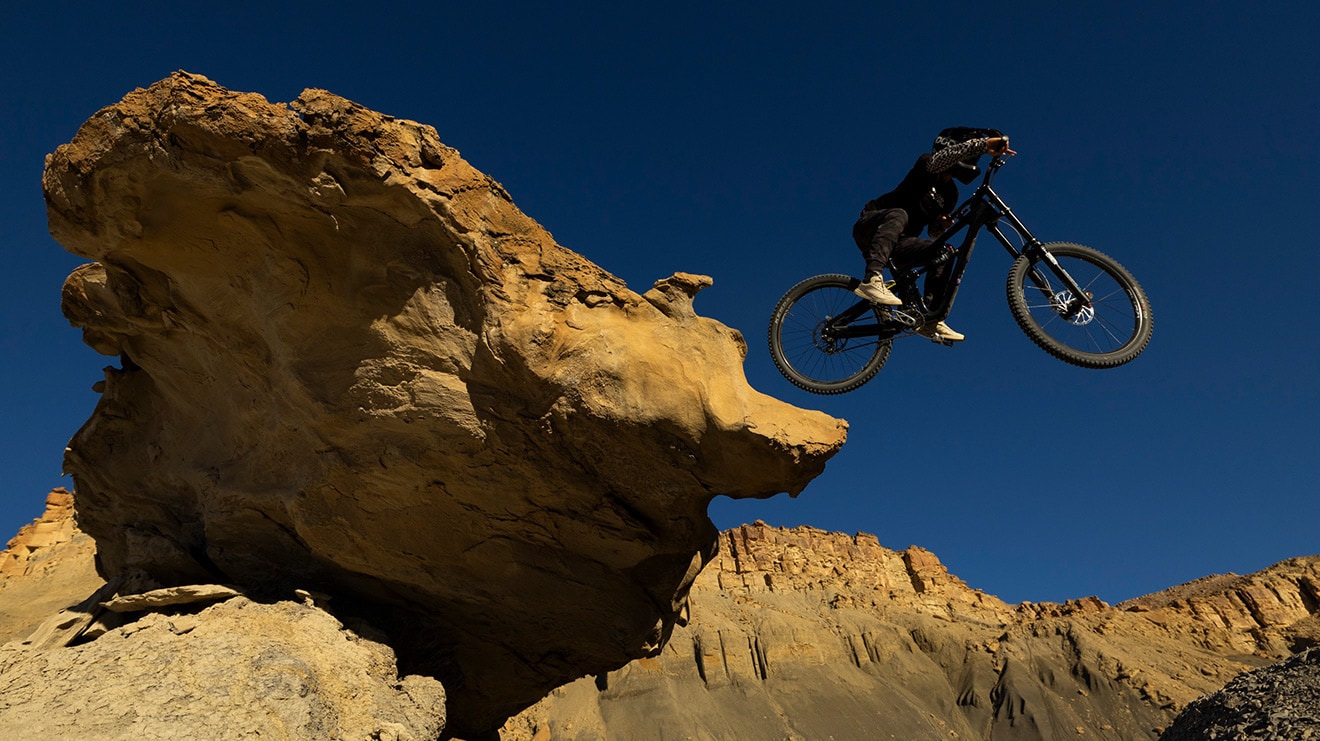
350 363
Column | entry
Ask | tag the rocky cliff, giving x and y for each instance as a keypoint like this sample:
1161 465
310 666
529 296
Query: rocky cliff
349 364
807 634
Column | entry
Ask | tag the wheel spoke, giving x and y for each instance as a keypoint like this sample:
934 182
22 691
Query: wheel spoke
1112 329
803 347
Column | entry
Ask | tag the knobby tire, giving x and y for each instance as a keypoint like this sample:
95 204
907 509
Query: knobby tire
808 357
1116 329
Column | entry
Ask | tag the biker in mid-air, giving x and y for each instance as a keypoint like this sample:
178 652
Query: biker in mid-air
831 333
889 226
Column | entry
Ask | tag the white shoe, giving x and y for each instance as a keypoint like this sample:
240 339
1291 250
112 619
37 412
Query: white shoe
875 291
940 332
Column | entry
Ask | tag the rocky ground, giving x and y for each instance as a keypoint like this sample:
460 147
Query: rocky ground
238 669
1277 703
198 663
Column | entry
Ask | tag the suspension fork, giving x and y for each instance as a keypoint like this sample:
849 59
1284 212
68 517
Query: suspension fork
1035 252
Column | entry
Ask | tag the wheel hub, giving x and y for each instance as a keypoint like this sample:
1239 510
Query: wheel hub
825 340
1064 306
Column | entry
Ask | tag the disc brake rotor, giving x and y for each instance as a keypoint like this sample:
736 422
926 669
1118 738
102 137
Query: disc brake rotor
825 342
1062 302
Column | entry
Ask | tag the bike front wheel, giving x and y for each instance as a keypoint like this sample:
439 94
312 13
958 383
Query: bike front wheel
1112 330
825 339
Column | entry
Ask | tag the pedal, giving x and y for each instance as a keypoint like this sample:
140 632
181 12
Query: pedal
905 317
936 340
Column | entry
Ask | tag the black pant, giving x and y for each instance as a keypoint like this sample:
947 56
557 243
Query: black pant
879 235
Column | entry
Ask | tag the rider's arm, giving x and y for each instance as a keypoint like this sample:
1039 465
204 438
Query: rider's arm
947 157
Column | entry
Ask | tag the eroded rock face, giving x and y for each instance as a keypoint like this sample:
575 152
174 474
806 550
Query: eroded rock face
349 362
24 553
802 633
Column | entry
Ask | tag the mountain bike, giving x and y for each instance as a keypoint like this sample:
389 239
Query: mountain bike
1076 303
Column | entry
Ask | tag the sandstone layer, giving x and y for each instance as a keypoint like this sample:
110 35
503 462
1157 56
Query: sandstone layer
46 569
349 363
806 634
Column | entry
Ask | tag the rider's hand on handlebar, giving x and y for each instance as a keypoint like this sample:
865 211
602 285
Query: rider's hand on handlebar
998 146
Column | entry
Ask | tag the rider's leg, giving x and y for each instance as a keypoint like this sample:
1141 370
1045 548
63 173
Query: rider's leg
916 251
936 282
876 234
913 251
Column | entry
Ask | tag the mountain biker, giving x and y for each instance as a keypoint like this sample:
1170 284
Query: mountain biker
889 225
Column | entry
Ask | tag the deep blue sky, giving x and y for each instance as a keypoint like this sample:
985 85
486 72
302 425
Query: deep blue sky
739 140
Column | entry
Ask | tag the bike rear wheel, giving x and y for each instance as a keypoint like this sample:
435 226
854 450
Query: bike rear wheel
1113 330
805 340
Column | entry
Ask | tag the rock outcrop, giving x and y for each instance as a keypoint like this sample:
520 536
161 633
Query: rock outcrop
26 553
46 569
350 364
805 634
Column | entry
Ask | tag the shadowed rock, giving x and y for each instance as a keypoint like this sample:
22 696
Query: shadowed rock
350 363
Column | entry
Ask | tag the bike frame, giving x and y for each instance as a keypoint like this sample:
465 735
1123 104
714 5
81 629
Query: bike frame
982 210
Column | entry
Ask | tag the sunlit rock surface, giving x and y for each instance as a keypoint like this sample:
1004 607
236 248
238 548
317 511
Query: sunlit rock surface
348 362
46 568
802 633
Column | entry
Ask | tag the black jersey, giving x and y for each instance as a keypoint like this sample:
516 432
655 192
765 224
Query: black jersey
925 192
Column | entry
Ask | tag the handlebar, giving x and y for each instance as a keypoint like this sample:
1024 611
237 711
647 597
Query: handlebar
995 163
